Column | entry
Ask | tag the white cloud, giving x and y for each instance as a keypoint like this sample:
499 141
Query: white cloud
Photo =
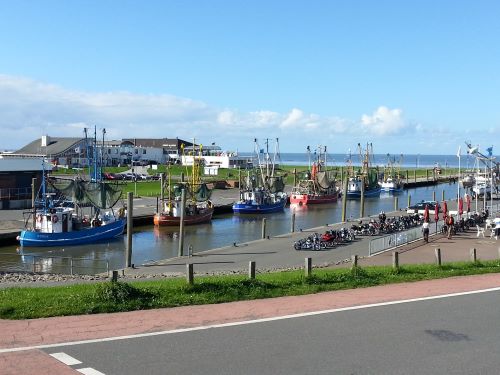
294 118
384 121
30 109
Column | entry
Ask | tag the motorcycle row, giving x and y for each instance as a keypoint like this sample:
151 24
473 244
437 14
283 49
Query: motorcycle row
465 224
327 240
332 238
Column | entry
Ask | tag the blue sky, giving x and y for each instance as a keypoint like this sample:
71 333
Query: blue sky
410 77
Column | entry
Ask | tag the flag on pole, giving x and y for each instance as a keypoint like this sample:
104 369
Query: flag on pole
459 150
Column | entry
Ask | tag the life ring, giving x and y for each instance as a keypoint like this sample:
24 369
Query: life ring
55 219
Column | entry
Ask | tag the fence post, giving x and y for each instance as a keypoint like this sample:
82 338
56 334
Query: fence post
251 269
264 227
473 255
395 260
308 266
189 273
438 255
354 260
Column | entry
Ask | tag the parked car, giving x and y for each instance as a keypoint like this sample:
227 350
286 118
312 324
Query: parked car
420 207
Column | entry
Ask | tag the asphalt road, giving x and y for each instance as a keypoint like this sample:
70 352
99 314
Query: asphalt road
454 335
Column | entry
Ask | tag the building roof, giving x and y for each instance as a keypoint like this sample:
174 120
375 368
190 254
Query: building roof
55 146
174 143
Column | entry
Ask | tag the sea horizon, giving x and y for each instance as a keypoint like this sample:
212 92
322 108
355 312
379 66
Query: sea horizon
407 161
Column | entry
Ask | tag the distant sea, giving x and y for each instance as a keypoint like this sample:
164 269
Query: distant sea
407 161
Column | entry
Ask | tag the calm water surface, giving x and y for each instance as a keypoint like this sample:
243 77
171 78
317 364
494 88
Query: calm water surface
152 243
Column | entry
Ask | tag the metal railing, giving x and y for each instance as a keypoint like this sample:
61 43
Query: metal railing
52 264
381 244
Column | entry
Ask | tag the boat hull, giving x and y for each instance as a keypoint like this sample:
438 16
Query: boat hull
368 193
162 219
304 199
251 208
29 238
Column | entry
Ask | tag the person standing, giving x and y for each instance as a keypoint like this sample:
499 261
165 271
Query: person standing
449 223
425 231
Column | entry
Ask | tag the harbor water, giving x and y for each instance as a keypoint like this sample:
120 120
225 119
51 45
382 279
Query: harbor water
152 243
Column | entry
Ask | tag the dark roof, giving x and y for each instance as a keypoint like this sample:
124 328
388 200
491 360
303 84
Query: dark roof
56 146
158 142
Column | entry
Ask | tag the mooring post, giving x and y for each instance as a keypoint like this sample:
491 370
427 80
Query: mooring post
292 229
264 227
181 227
308 266
395 260
396 204
434 195
407 176
344 200
442 195
114 276
33 198
409 200
473 255
162 193
130 228
426 175
415 175
362 205
354 261
189 273
251 269
437 252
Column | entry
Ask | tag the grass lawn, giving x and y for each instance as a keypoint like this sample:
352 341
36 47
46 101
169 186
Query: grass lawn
107 297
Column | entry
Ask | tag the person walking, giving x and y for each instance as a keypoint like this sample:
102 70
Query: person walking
425 231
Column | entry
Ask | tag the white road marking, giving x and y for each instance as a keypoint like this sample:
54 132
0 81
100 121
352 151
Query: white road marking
89 371
66 359
245 322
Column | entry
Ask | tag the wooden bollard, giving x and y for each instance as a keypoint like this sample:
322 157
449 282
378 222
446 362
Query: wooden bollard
415 175
189 273
396 204
354 261
292 228
438 256
442 195
251 269
409 200
308 267
473 255
114 277
434 195
130 229
344 200
395 260
264 227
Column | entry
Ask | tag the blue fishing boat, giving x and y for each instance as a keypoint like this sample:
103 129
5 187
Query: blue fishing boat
262 191
74 211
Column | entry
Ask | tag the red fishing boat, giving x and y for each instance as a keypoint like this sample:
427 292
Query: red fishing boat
197 206
317 187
